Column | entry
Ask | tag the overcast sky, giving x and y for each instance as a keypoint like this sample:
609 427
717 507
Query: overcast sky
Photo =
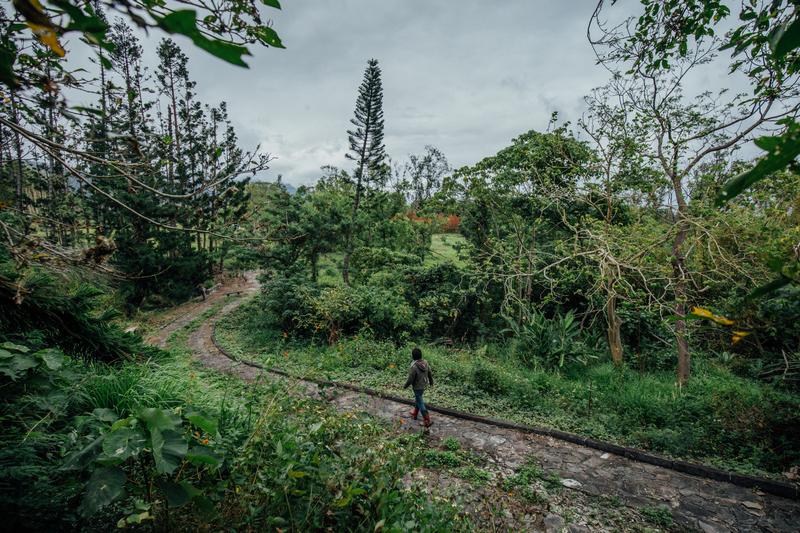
464 75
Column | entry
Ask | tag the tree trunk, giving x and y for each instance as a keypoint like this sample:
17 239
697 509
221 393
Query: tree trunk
348 251
20 200
314 259
679 275
614 323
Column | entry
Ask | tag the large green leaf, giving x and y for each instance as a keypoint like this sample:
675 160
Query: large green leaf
268 36
271 3
169 448
786 40
781 152
202 455
206 424
7 58
158 419
52 358
15 347
82 458
80 21
123 443
768 288
18 365
176 494
105 486
9 372
184 22
232 53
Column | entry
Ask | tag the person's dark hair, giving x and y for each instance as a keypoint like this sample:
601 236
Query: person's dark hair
416 354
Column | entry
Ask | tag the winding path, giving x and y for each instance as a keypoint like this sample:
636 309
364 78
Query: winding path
696 503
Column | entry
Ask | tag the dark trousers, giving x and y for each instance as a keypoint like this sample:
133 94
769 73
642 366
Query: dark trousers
419 403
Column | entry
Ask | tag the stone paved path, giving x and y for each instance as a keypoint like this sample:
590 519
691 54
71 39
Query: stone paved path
696 504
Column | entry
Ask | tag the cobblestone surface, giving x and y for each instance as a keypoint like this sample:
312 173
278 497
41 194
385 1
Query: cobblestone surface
696 504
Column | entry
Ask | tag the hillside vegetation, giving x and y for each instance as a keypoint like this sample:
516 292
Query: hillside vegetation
631 275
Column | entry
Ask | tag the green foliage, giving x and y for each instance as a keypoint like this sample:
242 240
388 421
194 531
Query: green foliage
367 261
154 441
17 361
718 417
56 309
475 475
217 454
542 341
203 30
488 378
526 479
451 444
441 458
330 312
657 515
782 150
534 160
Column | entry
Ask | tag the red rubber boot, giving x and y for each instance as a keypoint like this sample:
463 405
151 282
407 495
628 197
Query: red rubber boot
414 413
426 421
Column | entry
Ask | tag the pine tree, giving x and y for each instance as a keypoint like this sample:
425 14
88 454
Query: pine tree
172 74
366 148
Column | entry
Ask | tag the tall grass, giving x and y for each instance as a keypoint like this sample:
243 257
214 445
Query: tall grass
130 387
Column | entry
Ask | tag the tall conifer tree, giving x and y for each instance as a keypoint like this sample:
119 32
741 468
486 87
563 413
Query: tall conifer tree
366 148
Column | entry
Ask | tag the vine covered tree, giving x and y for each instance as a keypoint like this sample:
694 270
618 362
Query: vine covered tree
683 132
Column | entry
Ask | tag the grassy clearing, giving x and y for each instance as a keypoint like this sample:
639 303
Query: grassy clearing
330 268
718 418
445 247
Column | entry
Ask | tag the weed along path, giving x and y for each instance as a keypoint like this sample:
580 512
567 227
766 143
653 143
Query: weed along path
695 502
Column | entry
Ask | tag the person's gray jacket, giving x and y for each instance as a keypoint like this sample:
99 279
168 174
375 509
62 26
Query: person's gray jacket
419 375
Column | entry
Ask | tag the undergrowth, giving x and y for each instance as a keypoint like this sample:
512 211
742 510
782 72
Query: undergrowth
162 445
717 418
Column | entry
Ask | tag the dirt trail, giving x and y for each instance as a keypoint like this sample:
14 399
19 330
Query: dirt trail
695 503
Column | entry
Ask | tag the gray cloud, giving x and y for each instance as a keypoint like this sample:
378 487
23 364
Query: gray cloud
466 76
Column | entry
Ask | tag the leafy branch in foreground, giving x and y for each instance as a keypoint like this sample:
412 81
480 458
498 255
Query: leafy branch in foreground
221 29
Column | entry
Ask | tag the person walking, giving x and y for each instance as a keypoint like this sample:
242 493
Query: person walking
420 378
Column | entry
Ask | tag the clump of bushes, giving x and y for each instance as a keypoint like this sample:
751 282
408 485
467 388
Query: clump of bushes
366 261
551 343
396 304
45 308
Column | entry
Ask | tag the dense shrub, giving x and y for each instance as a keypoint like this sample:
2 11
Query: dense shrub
486 378
157 279
366 261
550 342
45 308
344 310
284 299
328 313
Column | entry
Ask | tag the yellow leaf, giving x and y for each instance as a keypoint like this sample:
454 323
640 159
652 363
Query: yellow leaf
739 335
48 37
722 320
705 313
